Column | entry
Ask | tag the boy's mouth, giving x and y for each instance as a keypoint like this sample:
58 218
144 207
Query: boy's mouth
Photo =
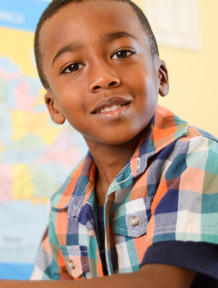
109 109
112 109
110 105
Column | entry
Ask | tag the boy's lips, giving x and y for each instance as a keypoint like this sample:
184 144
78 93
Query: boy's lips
110 105
112 108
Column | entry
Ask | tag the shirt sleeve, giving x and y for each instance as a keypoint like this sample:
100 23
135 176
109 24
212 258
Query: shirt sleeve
183 228
199 257
50 263
45 267
185 204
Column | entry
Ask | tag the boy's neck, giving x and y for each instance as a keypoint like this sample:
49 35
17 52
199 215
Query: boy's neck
109 160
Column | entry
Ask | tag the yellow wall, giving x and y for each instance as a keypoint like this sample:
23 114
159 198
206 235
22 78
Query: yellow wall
194 75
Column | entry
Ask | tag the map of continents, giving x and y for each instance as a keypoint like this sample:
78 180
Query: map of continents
35 158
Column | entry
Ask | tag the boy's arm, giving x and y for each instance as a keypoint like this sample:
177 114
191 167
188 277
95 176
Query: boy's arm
148 276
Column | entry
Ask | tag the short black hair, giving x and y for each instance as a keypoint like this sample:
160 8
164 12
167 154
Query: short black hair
56 5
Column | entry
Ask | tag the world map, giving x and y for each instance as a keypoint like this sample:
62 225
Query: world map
36 156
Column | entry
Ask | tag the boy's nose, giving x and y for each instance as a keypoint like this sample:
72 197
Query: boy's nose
103 80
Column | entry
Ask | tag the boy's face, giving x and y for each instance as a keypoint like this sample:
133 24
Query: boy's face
102 77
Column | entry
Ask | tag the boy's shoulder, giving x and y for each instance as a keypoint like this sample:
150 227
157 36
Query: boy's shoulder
167 124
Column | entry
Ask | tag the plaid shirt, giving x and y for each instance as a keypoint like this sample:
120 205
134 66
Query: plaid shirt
167 191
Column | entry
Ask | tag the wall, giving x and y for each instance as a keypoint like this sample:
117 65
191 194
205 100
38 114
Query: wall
194 75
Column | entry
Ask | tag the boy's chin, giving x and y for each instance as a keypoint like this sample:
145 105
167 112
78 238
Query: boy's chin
115 140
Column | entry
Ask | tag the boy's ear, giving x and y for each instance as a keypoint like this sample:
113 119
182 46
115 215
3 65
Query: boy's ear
163 79
53 108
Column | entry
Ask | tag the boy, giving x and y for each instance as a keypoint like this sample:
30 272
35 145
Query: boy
143 202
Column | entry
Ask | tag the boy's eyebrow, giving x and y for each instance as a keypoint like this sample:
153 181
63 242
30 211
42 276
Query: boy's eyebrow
116 35
68 48
106 37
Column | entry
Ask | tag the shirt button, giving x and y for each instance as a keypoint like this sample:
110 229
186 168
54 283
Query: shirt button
71 264
134 221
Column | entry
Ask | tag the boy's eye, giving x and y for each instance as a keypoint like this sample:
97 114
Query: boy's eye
122 54
72 68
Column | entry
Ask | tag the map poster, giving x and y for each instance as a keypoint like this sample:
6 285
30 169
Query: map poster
36 156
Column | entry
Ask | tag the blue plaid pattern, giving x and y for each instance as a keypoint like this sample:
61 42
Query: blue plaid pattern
170 185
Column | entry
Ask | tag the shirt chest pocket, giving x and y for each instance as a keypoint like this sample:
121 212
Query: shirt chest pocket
76 259
131 218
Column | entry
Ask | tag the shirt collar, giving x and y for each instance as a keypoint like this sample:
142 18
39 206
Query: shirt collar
80 183
164 128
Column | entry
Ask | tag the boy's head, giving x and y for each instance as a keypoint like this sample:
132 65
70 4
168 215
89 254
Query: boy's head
53 8
101 68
